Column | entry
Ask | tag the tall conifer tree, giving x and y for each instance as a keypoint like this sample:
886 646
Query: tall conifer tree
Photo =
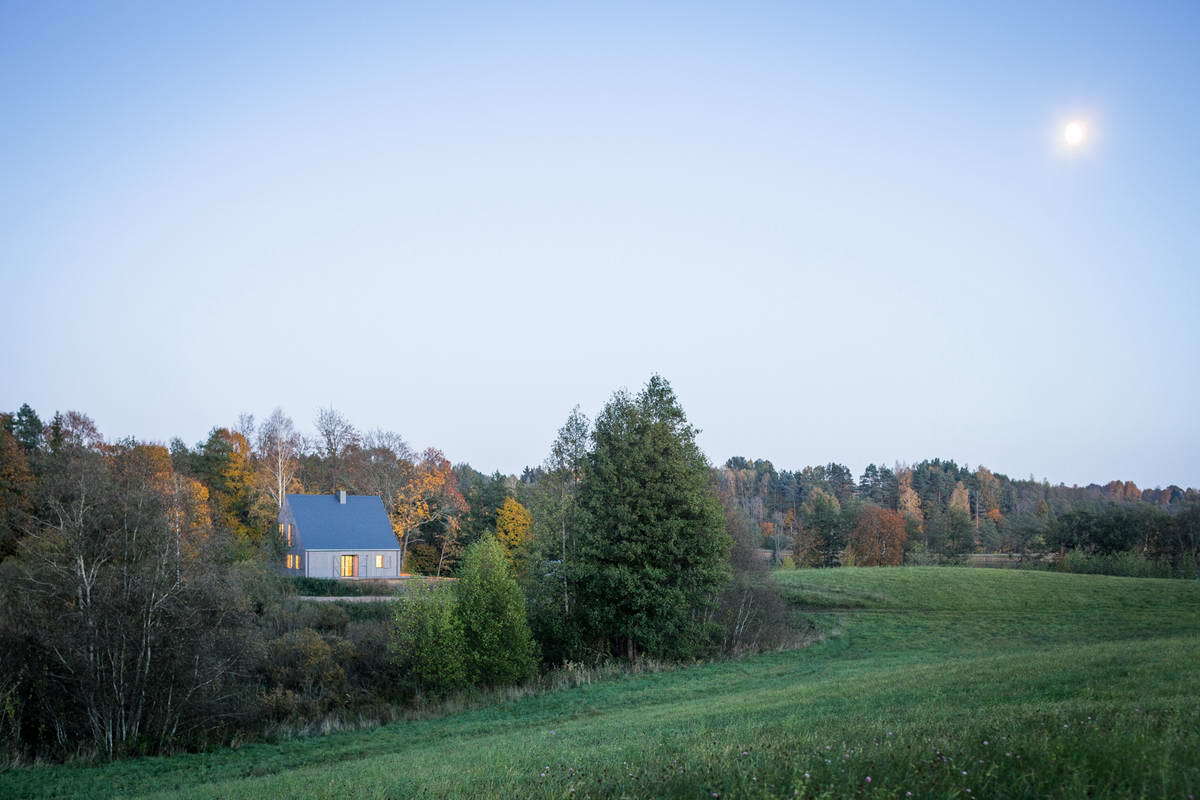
653 549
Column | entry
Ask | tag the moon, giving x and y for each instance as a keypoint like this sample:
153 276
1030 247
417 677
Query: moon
1074 133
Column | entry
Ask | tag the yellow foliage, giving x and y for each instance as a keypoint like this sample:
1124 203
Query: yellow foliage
513 522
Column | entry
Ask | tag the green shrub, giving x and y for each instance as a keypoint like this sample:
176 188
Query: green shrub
306 671
1125 564
500 646
330 587
427 644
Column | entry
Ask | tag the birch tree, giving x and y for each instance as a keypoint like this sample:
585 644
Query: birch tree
279 447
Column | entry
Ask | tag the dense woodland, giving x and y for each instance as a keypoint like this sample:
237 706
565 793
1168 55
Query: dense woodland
143 609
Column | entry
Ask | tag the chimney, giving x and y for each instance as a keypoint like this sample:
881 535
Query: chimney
342 496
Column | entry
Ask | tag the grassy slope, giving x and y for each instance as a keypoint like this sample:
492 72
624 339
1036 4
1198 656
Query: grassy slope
934 680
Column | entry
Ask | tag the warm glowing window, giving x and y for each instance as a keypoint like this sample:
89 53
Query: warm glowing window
290 561
297 562
349 566
289 534
378 562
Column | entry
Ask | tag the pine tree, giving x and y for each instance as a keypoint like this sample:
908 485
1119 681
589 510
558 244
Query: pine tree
653 549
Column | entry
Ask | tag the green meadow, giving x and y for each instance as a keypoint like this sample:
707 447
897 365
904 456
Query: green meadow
927 682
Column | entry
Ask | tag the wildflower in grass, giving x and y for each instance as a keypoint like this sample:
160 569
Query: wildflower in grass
868 779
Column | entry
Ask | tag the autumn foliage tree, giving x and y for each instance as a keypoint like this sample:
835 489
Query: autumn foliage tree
430 498
877 539
513 522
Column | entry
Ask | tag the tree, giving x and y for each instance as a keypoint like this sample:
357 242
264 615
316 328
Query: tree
499 645
878 538
653 548
513 521
120 627
223 463
27 428
564 469
16 489
908 502
485 494
384 465
954 531
821 515
336 441
429 498
428 642
279 447
959 499
987 497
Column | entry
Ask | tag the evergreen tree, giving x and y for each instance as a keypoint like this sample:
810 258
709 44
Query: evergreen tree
27 428
825 525
499 645
653 549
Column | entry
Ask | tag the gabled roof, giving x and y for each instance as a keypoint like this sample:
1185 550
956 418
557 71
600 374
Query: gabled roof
325 524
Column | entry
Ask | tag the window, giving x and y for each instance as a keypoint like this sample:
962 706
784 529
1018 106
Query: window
291 561
289 534
349 567
378 562
297 562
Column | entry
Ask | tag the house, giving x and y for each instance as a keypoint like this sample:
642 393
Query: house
338 536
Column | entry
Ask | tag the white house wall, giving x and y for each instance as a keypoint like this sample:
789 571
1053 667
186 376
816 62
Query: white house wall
327 563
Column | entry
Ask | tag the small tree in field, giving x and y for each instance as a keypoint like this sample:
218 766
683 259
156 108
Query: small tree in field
878 538
429 640
499 645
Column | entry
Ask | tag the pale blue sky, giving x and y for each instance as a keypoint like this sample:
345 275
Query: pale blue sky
842 234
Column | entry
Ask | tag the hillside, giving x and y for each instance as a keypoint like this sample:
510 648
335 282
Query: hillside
942 682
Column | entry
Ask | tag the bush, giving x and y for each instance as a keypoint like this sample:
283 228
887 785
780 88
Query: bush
428 645
309 667
500 646
1125 564
330 587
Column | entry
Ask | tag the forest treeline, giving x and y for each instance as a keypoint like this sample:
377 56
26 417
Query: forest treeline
143 609
941 510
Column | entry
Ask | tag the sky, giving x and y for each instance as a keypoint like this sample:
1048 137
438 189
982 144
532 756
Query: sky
844 232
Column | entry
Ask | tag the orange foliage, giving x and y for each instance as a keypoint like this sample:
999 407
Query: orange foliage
430 494
878 538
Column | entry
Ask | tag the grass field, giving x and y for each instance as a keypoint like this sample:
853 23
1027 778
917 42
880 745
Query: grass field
939 682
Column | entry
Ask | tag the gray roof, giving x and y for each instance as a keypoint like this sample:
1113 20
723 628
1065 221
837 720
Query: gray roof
325 524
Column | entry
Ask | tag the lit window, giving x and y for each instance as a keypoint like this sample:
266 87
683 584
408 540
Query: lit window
281 527
349 566
289 560
289 534
297 562
378 562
